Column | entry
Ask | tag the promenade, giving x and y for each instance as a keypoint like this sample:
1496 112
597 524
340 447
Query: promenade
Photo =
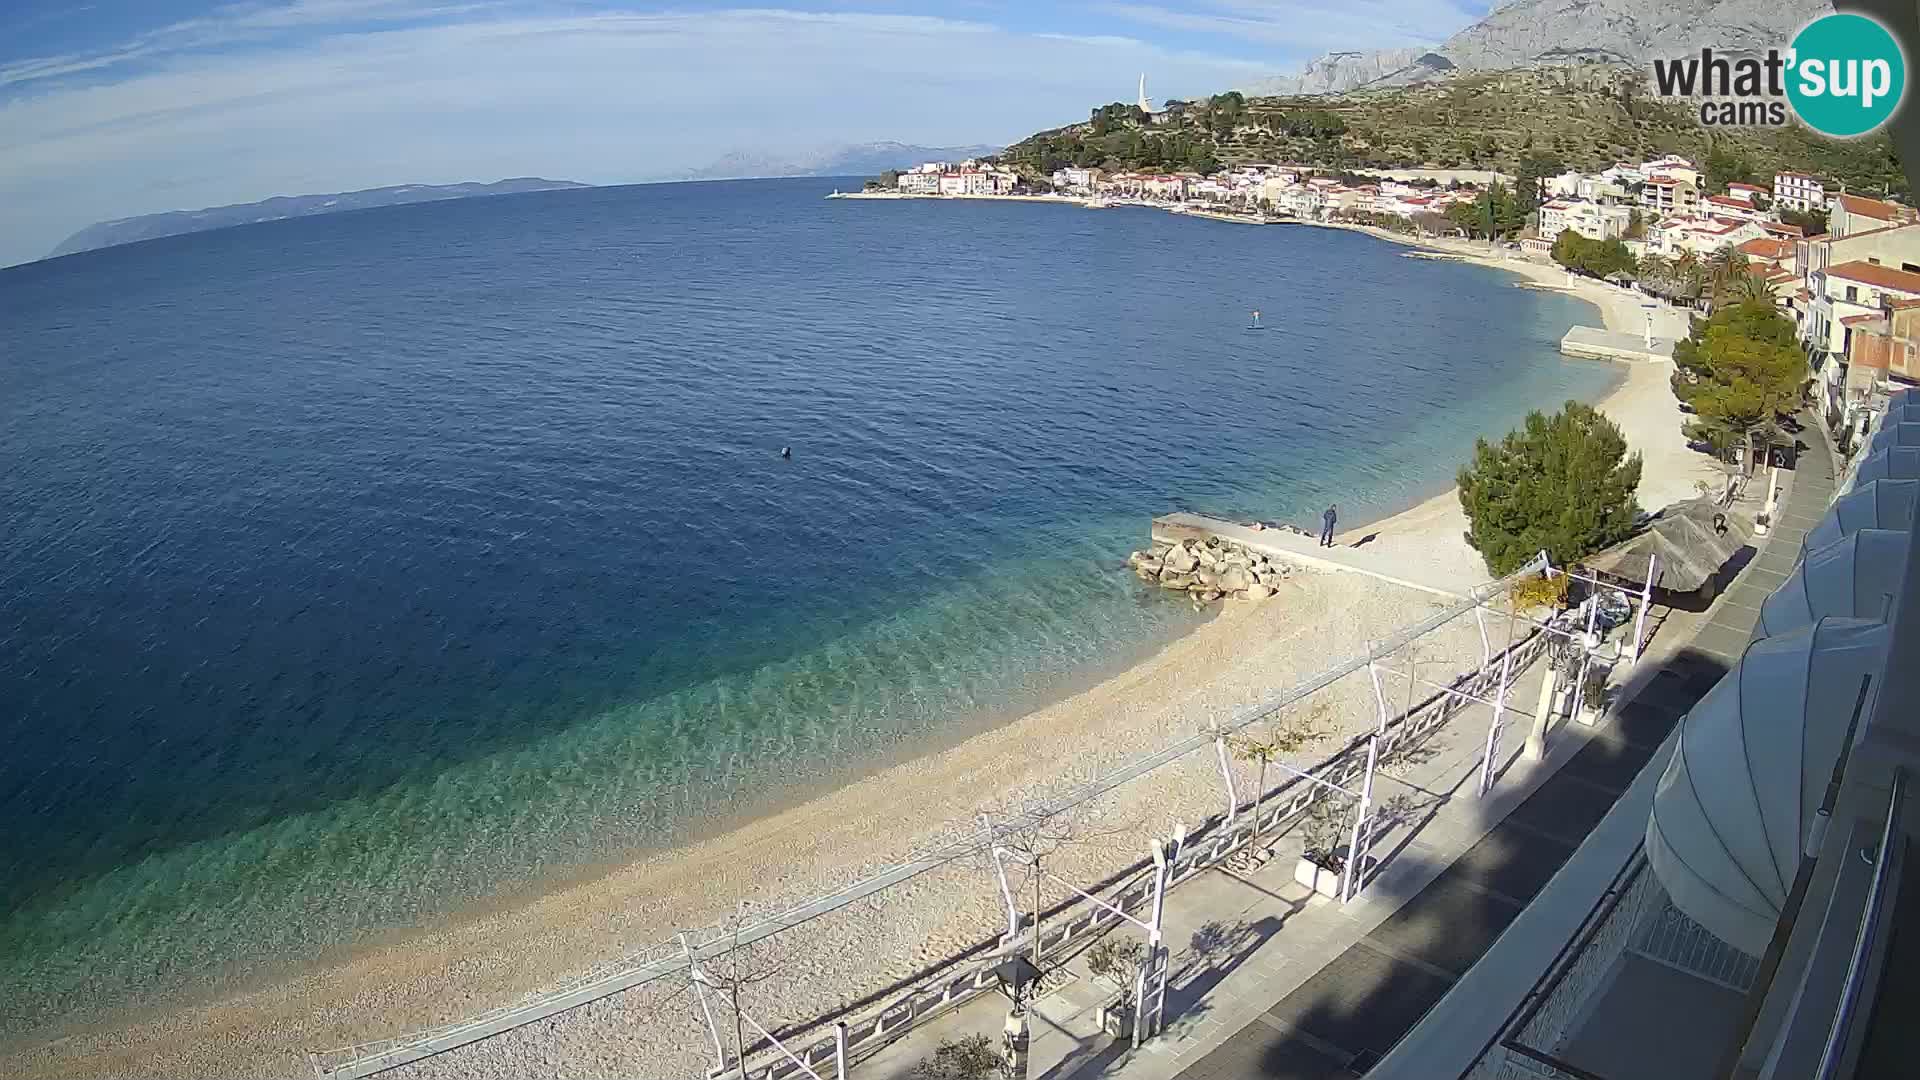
1270 980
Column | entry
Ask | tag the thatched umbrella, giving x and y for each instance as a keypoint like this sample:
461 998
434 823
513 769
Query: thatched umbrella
1694 540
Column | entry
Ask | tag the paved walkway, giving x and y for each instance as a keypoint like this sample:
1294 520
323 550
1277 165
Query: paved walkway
1281 545
1271 981
1809 491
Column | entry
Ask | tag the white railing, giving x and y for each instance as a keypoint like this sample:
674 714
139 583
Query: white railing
674 956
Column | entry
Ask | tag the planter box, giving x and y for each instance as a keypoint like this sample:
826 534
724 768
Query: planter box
1116 1018
1318 878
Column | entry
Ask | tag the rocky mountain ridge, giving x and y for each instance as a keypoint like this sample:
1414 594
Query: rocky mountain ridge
1525 33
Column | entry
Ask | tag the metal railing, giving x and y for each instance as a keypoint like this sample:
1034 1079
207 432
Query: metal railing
674 956
1868 937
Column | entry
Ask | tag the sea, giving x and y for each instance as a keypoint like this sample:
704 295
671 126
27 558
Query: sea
356 570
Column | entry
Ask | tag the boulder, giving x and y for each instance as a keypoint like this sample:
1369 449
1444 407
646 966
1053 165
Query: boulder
1175 581
1211 595
1150 567
1233 579
1207 576
1208 557
1257 592
1134 560
1180 560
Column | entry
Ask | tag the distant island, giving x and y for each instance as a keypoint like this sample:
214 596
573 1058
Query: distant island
176 222
863 159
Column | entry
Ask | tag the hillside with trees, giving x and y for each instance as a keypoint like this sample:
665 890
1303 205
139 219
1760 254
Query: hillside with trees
1582 117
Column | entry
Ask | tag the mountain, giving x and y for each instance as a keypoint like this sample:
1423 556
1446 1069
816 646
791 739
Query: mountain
1525 33
863 159
175 222
1336 72
1585 116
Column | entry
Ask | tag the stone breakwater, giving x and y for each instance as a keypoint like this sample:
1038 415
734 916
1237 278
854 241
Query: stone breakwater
1209 570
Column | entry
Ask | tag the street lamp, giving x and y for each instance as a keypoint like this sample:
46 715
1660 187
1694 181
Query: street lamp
1018 978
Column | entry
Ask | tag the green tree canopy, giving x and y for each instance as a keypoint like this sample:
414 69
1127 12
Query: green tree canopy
1813 221
1600 258
1739 372
1562 484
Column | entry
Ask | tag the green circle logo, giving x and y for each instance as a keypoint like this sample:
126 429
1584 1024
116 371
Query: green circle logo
1846 75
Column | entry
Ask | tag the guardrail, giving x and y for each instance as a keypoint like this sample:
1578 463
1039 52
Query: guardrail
672 957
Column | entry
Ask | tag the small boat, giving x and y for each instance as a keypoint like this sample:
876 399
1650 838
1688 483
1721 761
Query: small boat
1097 203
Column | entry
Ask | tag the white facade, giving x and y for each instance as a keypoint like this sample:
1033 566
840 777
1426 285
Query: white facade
1798 191
1591 220
920 183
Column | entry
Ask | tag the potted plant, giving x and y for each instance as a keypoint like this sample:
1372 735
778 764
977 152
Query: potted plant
1116 962
1324 830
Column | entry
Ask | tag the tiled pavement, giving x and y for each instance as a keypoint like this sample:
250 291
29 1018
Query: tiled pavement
1809 490
1341 1021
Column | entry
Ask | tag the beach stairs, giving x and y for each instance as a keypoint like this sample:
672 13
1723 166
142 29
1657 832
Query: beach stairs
1304 551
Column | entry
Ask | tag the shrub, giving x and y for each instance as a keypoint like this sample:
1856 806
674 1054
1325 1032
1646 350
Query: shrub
974 1057
1538 591
1562 483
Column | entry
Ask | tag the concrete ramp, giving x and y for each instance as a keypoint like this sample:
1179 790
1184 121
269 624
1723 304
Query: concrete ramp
1593 343
1303 551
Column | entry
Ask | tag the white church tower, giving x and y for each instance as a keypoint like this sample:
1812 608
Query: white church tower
1146 106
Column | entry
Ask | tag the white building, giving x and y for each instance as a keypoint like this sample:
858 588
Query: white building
1669 237
966 182
1727 206
1798 191
1591 220
919 183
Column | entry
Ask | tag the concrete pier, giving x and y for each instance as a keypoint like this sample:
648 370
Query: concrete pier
1593 343
1301 551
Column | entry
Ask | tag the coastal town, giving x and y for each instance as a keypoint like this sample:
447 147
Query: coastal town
1843 266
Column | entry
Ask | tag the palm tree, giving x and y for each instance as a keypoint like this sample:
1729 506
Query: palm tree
1751 285
1689 277
1723 267
1656 274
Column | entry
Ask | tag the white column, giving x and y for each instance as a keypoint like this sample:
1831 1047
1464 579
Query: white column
1543 714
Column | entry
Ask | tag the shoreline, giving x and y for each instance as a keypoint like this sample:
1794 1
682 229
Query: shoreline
494 953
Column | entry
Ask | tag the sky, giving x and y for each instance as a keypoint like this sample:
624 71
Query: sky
116 108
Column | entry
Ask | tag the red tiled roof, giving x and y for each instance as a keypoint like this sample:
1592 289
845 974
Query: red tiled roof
1873 208
1856 320
1766 247
1728 200
1783 228
1880 277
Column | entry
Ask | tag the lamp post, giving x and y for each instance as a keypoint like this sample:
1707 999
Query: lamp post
1018 979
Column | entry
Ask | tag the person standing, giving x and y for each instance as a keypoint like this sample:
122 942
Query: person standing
1326 525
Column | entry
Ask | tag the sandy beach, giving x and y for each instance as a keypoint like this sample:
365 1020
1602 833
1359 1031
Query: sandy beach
1244 655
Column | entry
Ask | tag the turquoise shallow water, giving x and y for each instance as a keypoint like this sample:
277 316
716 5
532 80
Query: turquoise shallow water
358 567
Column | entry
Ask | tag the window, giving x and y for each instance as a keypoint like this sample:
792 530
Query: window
1853 295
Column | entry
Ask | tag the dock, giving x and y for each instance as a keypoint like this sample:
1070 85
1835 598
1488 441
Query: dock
1303 551
1593 343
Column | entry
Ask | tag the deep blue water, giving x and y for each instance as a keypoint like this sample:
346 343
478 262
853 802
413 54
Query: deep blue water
353 566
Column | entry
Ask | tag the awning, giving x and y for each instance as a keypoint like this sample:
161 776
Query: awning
1894 430
1875 504
1731 814
1852 578
1690 546
1889 463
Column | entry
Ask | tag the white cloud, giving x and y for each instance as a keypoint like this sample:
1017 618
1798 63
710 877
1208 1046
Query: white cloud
604 98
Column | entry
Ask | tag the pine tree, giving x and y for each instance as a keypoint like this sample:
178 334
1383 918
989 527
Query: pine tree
1739 372
1562 483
